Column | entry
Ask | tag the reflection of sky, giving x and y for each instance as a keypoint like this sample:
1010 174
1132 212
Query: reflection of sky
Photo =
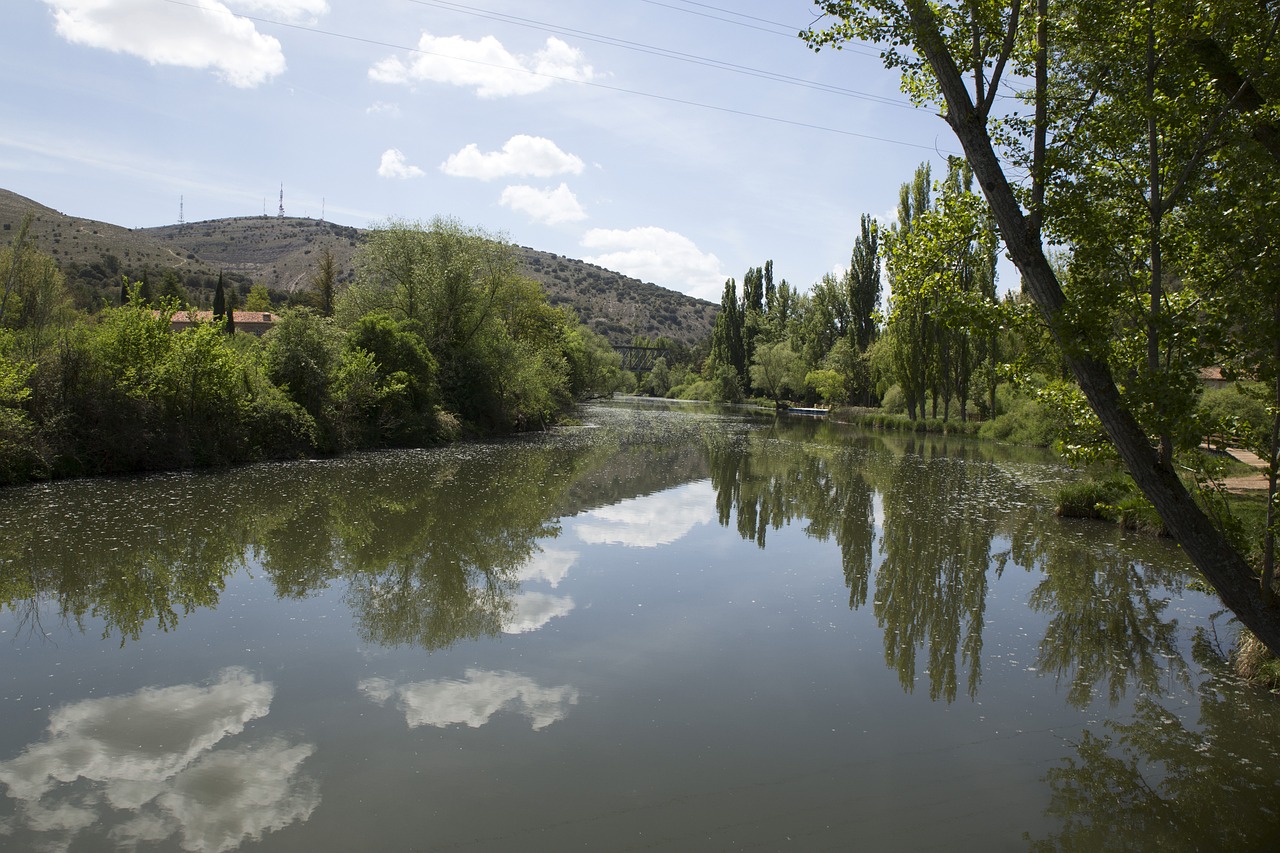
652 520
531 610
152 753
548 565
473 700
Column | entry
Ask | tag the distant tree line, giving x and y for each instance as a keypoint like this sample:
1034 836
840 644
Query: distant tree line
437 337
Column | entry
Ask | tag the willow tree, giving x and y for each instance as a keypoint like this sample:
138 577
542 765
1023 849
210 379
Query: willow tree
1141 98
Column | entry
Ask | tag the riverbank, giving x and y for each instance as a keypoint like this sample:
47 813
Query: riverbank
869 418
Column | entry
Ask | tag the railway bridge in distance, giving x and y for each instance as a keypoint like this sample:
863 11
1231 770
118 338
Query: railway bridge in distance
640 359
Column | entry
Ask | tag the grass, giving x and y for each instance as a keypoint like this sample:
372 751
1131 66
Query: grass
1254 663
877 419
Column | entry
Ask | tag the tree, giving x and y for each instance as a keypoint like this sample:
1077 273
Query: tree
37 300
910 323
658 382
776 368
231 311
146 296
864 283
727 346
944 268
931 45
171 288
219 300
324 282
14 266
259 298
301 355
506 357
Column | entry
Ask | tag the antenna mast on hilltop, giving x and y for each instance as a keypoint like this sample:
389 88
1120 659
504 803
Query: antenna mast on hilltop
280 215
181 216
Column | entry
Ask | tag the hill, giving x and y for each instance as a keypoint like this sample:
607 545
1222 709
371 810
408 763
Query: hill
281 253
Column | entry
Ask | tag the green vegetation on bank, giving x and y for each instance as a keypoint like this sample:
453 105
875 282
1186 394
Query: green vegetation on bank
437 337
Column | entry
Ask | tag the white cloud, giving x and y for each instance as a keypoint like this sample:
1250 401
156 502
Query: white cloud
550 207
521 155
663 257
531 610
152 756
474 700
394 165
161 33
652 520
389 108
286 10
485 65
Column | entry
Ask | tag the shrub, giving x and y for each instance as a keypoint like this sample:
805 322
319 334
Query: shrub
1089 498
1233 415
1023 420
894 402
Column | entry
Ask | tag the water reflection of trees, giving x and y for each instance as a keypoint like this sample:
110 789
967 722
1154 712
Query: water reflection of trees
1158 783
931 588
428 546
1108 624
945 506
153 552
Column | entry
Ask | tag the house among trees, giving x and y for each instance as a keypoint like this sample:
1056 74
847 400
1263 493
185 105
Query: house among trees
254 322
1213 377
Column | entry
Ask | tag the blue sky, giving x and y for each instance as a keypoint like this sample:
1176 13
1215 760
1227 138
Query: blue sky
679 142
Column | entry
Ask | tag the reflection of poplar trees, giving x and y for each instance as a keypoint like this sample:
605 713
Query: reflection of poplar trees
1106 626
1156 784
767 481
756 480
931 588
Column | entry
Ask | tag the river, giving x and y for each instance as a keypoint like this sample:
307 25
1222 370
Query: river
668 628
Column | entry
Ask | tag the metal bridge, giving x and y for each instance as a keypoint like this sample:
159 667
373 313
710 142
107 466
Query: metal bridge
640 359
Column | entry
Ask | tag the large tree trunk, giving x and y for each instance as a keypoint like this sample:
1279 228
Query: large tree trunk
1221 564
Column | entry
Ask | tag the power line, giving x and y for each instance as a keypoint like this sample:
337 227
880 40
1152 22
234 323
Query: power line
788 30
591 83
719 9
664 52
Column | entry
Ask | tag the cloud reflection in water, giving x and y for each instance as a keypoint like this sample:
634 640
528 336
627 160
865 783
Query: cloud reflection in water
473 700
531 610
652 520
151 753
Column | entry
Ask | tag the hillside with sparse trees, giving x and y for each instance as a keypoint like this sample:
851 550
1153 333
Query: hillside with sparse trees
283 255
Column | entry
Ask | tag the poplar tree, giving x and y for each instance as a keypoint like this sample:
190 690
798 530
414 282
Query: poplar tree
864 282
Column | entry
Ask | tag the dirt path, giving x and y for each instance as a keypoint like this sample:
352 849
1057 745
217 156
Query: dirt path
1248 482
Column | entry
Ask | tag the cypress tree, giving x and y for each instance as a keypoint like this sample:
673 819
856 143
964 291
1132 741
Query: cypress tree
219 300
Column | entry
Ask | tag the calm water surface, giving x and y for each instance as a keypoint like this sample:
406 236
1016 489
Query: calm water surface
662 630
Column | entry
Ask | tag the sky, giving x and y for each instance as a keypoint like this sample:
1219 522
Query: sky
678 142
